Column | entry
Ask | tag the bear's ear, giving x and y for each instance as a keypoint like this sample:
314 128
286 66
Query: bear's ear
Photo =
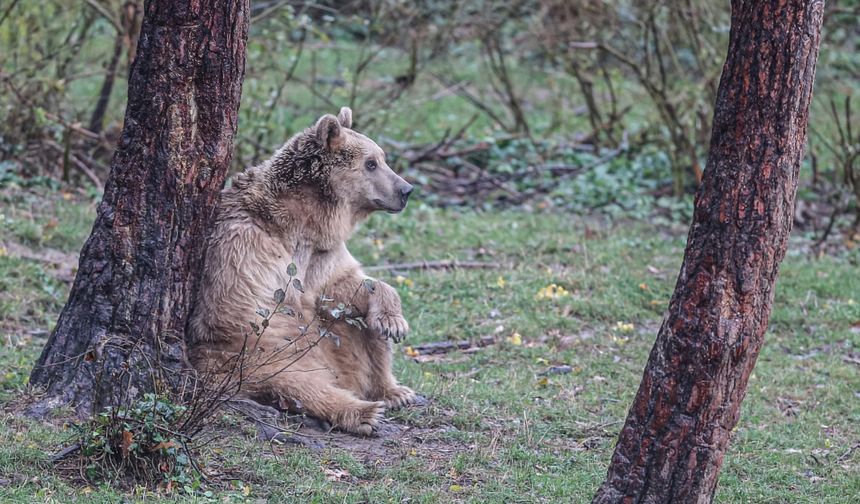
345 117
329 132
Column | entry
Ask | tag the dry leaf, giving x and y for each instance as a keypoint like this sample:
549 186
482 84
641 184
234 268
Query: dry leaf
164 445
336 474
127 440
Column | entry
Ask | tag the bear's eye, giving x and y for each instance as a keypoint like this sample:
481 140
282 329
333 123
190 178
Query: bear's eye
370 165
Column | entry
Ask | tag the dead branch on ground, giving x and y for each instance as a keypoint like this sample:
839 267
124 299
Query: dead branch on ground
431 265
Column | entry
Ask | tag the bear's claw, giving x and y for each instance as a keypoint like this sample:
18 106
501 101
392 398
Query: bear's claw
401 396
392 326
369 420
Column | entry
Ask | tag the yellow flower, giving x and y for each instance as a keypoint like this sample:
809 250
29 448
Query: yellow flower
410 352
643 286
624 327
515 339
552 291
500 282
402 280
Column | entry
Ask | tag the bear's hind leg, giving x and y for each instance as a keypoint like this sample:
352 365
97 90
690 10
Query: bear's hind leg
320 397
298 371
347 412
383 385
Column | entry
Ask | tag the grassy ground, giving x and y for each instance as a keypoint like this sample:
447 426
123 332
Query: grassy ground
496 429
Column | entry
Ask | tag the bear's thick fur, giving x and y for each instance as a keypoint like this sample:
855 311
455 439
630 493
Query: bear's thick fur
300 207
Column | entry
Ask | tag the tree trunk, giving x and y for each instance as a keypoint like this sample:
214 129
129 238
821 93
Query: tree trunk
121 332
672 444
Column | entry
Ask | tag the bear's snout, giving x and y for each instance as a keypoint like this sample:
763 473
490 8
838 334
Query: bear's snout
405 191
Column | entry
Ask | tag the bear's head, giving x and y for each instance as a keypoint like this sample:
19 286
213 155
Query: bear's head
358 172
342 165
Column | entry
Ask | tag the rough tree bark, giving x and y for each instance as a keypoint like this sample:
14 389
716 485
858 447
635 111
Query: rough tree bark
672 444
121 331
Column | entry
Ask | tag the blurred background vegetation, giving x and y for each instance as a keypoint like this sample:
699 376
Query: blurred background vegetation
544 105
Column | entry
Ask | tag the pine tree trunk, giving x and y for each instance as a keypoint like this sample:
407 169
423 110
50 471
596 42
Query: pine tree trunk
672 444
121 332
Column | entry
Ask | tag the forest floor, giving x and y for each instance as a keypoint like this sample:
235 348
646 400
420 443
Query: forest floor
506 422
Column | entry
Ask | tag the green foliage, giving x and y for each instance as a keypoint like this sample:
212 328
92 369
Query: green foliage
615 183
143 441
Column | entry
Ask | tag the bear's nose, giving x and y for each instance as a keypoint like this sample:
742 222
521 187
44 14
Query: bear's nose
406 190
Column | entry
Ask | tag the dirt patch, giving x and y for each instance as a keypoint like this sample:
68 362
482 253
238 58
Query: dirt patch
393 442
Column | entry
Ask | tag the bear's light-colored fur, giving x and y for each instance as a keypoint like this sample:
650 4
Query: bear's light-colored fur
300 207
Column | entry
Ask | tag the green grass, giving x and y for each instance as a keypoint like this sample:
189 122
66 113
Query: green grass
496 431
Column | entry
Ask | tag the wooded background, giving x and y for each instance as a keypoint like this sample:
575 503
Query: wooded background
579 105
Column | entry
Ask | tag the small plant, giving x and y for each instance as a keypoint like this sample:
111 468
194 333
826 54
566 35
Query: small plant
143 441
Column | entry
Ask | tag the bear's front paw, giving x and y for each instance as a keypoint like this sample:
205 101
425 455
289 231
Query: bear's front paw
388 325
368 421
400 396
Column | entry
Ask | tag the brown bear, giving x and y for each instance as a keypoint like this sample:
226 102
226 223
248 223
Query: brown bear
328 348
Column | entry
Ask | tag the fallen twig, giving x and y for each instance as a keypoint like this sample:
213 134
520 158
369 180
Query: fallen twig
441 347
560 169
848 453
429 265
65 452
